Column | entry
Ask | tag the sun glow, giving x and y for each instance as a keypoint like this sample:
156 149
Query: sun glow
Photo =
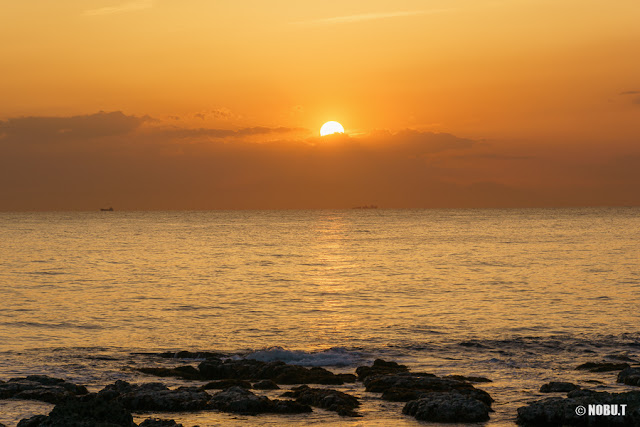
331 128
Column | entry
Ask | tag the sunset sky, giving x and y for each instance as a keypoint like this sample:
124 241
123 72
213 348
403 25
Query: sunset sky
200 104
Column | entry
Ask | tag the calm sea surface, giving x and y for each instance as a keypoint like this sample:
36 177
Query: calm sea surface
519 296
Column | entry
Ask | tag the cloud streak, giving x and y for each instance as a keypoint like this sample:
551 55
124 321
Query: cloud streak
136 162
124 7
349 19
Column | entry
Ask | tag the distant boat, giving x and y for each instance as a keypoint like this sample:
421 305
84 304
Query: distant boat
366 207
106 209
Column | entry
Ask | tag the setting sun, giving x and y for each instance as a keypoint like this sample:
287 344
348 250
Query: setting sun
331 128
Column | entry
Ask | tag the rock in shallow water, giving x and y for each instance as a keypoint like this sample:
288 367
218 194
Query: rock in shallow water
380 367
278 372
332 400
408 386
266 385
558 387
85 411
602 366
447 407
156 397
187 372
558 411
224 384
242 401
40 387
630 376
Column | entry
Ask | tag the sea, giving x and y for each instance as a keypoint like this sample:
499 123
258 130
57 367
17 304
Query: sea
520 296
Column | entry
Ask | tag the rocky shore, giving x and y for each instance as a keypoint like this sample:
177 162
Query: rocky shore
238 386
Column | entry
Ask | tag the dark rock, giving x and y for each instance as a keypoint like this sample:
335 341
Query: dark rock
292 374
85 411
40 387
266 385
630 376
224 384
191 355
395 394
447 407
156 397
622 357
602 366
157 422
332 400
558 411
469 379
187 372
34 421
254 370
347 378
380 367
403 383
558 387
242 401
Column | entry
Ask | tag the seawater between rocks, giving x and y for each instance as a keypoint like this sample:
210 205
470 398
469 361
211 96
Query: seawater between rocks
519 296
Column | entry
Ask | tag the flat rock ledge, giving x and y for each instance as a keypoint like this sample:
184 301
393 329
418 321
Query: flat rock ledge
559 411
251 370
242 401
342 403
447 407
40 387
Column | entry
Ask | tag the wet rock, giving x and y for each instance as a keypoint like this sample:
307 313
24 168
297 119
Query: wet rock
409 384
224 384
630 376
558 411
380 367
602 366
85 411
40 387
292 374
347 378
34 421
157 422
242 401
558 387
156 397
266 385
191 355
447 407
254 370
342 403
395 394
471 379
187 372
622 357
184 355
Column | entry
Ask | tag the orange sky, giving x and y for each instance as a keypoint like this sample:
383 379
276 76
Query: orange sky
152 104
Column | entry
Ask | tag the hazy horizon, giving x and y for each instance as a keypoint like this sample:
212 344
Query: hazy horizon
149 105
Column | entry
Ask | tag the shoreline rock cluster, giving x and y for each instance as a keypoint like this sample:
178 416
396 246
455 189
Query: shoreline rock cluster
226 385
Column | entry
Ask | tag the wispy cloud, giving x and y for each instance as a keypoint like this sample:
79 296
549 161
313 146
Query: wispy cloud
370 17
124 7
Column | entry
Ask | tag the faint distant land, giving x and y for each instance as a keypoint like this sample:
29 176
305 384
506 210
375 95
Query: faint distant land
109 209
366 207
